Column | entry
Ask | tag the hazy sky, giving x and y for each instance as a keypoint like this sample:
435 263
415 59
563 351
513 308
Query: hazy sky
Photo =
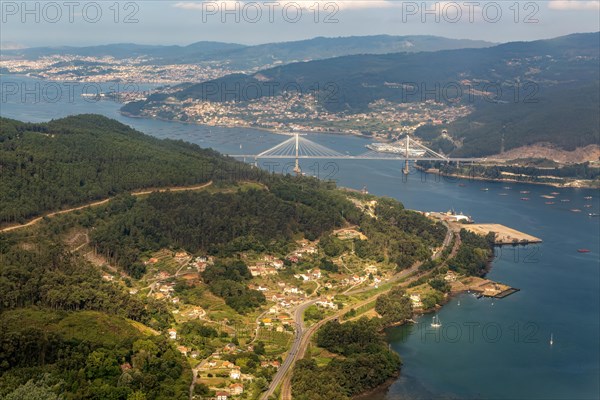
80 23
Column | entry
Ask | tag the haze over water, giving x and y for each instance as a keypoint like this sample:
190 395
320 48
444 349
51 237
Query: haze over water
511 358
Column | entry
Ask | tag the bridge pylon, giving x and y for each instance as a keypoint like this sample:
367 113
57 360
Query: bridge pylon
297 168
406 170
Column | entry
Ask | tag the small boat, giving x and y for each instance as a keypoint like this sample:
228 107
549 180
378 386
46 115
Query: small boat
549 202
503 194
435 323
565 200
551 339
594 215
507 188
459 303
555 193
525 198
485 189
587 205
575 210
524 191
588 197
583 250
462 185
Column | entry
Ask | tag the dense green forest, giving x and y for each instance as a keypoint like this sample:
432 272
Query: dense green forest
228 280
394 307
224 224
75 160
65 330
548 119
474 254
363 361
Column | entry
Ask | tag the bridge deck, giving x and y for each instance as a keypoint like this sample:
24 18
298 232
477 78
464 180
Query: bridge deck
390 158
299 148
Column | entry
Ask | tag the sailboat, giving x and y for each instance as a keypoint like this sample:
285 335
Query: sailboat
436 322
551 339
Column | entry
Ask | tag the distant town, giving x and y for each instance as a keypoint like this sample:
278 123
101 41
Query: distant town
302 112
109 69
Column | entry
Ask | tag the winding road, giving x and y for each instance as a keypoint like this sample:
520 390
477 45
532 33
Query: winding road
303 335
101 202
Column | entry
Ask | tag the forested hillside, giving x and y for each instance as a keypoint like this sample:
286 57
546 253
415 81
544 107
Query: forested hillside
68 328
75 160
268 220
361 361
65 330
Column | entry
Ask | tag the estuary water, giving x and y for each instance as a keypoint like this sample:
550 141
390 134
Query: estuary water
485 349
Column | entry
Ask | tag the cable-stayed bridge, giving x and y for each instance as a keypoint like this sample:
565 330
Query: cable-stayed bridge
299 147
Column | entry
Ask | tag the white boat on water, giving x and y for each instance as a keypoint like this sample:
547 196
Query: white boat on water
435 323
551 339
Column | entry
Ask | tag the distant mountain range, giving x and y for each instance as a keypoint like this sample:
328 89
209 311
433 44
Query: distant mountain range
241 57
127 50
556 80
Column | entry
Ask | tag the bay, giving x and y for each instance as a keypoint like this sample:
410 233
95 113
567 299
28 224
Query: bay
485 349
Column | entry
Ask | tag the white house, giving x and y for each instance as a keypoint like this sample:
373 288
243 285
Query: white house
235 374
416 300
236 388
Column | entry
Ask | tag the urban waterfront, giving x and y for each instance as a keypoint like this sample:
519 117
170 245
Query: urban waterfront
469 355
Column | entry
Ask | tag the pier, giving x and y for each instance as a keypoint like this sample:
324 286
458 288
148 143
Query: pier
482 287
504 234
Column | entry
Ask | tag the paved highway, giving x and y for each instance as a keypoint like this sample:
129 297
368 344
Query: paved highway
303 335
291 357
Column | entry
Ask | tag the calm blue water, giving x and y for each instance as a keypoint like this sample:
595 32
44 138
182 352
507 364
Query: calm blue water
486 349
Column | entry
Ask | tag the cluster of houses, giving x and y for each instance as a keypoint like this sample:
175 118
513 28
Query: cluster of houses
327 304
216 365
354 280
285 301
415 300
311 274
268 266
283 295
235 389
278 322
201 262
305 249
165 290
